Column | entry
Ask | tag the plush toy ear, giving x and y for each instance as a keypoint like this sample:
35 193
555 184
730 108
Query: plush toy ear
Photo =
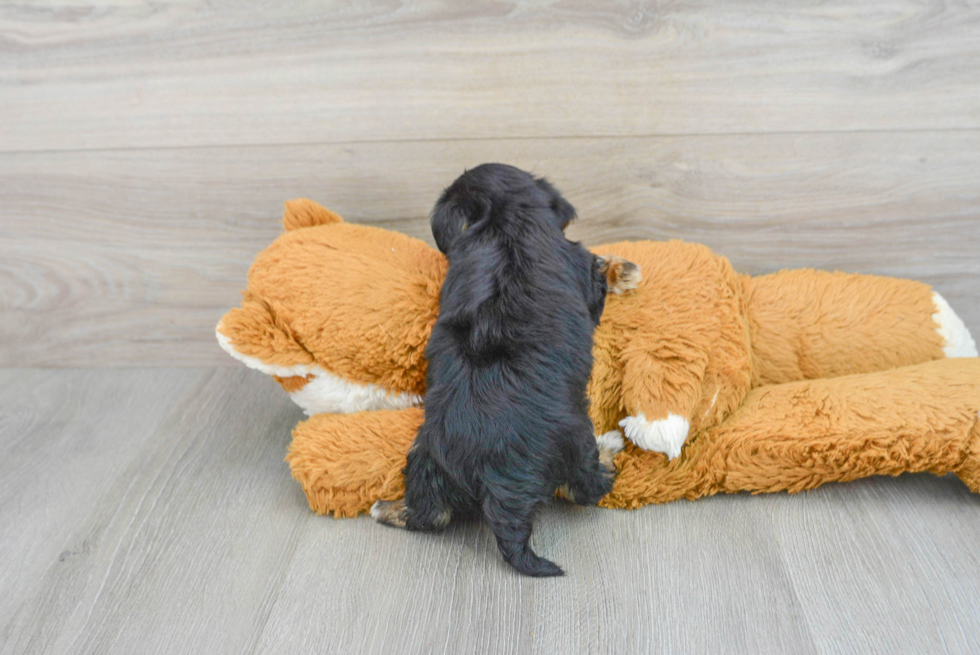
303 212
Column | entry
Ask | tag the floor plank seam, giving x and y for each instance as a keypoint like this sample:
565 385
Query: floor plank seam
459 139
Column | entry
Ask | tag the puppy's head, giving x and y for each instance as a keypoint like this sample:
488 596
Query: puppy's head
496 192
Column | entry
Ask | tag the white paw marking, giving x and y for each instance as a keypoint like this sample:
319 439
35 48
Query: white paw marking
611 441
664 436
959 343
376 510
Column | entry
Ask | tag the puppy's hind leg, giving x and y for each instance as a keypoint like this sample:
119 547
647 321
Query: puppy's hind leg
425 506
510 519
390 512
596 470
609 444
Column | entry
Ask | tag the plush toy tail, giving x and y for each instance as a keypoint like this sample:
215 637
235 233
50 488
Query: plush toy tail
800 435
302 212
807 324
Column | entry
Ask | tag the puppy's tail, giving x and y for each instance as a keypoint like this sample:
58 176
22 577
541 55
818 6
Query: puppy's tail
511 524
521 557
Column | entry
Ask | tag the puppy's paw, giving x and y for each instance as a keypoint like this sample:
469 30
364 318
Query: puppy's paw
389 512
621 275
610 443
564 492
663 436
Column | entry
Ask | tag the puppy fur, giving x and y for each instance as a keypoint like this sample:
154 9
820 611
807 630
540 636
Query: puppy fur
506 421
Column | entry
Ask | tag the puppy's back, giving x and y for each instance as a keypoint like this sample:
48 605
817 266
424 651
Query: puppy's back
514 333
509 358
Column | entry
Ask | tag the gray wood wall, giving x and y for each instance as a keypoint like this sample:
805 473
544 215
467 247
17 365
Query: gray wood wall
146 149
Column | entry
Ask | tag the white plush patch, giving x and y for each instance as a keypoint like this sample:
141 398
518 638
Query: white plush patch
959 343
326 392
664 436
611 441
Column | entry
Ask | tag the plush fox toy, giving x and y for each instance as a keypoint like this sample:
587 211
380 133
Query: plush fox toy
720 382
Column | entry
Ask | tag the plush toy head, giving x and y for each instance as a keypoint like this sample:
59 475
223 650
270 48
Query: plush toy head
339 313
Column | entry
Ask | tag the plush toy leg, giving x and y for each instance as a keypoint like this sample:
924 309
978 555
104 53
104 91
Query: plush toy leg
345 462
661 390
799 435
787 437
809 324
682 347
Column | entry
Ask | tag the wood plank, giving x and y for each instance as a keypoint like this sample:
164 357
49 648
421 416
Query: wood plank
661 579
887 562
179 551
62 435
128 258
130 75
166 522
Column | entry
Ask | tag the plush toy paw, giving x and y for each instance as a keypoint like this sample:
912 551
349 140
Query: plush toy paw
663 436
621 275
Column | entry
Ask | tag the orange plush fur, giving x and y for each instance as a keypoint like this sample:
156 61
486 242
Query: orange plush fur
777 382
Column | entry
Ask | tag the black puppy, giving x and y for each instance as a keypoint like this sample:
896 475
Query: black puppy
506 415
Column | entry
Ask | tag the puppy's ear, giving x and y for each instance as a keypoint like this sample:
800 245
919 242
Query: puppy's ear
456 211
561 208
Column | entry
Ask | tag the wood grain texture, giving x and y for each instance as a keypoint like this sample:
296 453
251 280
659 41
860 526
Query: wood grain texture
128 258
95 74
908 547
178 529
183 543
62 434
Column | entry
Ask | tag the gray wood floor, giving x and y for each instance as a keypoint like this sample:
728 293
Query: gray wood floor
145 152
150 511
